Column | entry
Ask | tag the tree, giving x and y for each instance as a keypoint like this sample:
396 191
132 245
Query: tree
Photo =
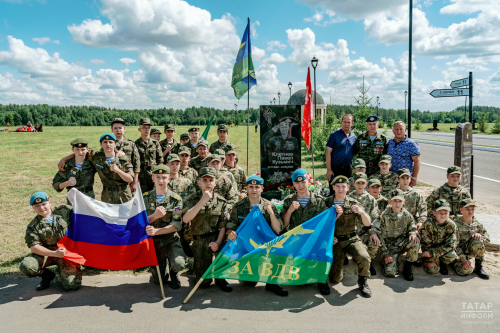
483 123
364 108
496 127
418 125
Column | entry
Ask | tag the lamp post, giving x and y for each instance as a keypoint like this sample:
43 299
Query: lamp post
279 98
377 105
271 102
406 93
235 113
314 63
290 87
410 63
274 100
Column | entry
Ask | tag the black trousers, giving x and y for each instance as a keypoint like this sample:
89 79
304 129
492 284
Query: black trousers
339 170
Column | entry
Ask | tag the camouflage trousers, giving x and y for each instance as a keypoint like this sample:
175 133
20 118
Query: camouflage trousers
371 248
186 239
116 197
146 182
446 258
357 250
71 273
173 251
203 256
473 248
393 247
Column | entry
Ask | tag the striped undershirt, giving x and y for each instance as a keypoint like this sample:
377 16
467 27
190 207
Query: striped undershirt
160 197
338 202
303 201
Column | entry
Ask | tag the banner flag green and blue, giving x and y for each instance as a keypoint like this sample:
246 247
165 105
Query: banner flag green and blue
207 129
243 71
302 255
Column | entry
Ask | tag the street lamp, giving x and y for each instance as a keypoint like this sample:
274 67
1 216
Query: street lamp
279 98
274 100
271 102
235 112
406 93
377 105
314 63
290 87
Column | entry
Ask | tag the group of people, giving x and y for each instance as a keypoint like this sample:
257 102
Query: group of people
196 196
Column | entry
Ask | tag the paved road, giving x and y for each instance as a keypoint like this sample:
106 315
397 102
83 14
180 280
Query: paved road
130 304
450 138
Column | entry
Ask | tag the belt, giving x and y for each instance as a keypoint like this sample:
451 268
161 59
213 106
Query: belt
86 189
115 188
342 238
204 236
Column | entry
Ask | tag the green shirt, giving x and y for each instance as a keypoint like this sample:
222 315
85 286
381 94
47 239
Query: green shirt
44 233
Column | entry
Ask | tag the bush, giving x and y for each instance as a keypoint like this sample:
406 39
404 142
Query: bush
483 123
496 127
418 125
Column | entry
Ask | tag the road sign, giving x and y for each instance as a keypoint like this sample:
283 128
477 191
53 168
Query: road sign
460 83
449 92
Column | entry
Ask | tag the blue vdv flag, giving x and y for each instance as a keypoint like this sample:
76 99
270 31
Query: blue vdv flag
243 72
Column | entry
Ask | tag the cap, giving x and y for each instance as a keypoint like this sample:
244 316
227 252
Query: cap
173 157
162 168
359 163
360 176
385 158
145 121
404 171
398 194
299 175
155 131
454 169
117 120
194 129
79 143
212 158
340 179
231 151
255 180
107 136
220 152
441 204
184 136
374 181
207 171
222 127
202 143
170 127
372 119
39 197
467 202
184 150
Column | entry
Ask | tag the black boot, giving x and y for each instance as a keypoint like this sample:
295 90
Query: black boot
346 261
174 280
407 271
324 288
47 277
250 283
223 285
363 286
277 289
417 263
478 269
372 270
443 269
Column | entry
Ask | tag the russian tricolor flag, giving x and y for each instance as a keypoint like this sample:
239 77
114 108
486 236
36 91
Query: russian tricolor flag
108 236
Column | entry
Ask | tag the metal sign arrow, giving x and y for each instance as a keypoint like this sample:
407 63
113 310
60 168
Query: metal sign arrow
449 92
460 83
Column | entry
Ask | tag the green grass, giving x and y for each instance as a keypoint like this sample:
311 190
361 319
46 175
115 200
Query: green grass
452 142
446 128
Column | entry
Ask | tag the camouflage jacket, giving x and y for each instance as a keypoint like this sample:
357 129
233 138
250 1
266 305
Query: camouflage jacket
197 162
108 177
370 151
190 174
44 233
243 207
239 176
84 177
212 217
351 185
315 206
227 189
194 153
382 202
454 195
182 186
465 232
173 205
150 154
438 238
349 220
226 146
414 203
389 182
129 148
175 147
369 205
394 225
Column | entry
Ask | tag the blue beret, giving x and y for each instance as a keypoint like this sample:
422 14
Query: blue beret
255 180
372 119
107 136
39 197
299 175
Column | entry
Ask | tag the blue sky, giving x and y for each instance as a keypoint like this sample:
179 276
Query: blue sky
171 53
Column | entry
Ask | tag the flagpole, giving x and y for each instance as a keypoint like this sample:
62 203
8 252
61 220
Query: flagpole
192 291
161 282
248 97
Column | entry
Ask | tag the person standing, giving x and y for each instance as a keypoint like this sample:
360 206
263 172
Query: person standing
404 151
150 153
169 145
194 138
371 145
222 143
127 146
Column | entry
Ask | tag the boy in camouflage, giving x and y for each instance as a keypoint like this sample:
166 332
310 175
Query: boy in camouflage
150 153
180 185
398 234
237 171
439 239
388 179
452 191
200 161
183 139
194 136
128 147
163 208
186 170
225 186
155 134
375 188
472 238
169 145
358 166
42 235
223 170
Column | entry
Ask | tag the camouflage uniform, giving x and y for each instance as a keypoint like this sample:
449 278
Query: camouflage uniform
84 177
315 206
190 174
194 153
453 195
394 232
175 146
198 162
243 207
114 189
414 204
151 155
370 151
239 176
369 205
382 202
469 247
227 189
167 245
182 186
440 240
128 147
205 229
348 241
389 182
226 146
47 234
351 185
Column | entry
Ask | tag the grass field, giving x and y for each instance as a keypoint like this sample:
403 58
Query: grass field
446 128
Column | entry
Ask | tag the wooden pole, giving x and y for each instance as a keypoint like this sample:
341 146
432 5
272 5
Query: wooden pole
161 282
192 291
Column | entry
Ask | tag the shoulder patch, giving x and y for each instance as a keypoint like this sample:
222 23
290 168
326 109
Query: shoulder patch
176 197
123 158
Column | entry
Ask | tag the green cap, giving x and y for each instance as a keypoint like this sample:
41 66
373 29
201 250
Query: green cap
155 131
79 143
145 121
184 150
441 204
194 129
184 136
359 163
170 127
173 157
231 151
404 171
374 181
117 120
398 194
212 158
202 143
385 158
222 127
454 169
360 176
207 171
220 152
340 179
162 168
467 202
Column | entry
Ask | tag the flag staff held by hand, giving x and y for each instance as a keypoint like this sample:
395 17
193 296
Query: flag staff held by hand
161 282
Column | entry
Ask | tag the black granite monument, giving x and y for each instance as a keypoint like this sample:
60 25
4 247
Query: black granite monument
464 157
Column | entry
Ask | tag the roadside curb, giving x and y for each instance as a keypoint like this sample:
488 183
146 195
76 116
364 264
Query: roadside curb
494 150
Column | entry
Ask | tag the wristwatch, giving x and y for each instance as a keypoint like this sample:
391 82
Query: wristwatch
414 178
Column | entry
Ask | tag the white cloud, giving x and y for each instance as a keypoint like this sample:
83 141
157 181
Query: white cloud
127 61
97 61
355 70
257 53
275 58
43 40
355 9
495 76
388 61
253 28
275 44
318 16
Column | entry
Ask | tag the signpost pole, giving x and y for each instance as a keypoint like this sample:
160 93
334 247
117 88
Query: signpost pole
472 155
470 97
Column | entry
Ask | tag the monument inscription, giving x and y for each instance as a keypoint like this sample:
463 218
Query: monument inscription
464 154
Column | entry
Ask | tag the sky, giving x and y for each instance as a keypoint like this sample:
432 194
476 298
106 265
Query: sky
177 54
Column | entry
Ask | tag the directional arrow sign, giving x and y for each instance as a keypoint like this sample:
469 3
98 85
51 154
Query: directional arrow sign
460 83
449 92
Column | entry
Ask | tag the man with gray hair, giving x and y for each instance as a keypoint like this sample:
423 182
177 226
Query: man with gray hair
404 151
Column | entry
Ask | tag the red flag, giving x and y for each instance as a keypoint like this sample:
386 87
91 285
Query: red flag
306 118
